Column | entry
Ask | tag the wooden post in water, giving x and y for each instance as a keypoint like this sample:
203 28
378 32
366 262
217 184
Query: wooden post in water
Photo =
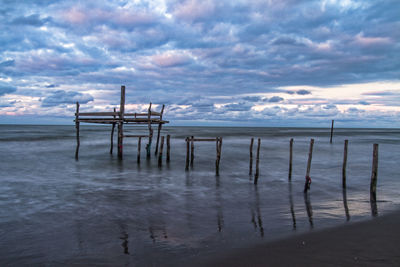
374 175
139 147
219 150
112 135
257 161
148 146
161 152
346 142
121 122
168 147
77 131
251 156
159 130
331 132
187 153
290 158
308 179
191 151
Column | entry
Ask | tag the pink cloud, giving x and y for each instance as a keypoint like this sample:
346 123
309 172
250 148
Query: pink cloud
192 10
170 60
371 41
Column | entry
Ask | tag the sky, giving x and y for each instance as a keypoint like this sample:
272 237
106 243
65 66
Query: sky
292 63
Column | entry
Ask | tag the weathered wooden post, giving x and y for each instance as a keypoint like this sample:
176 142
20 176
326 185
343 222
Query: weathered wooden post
331 132
251 156
187 153
257 161
219 149
161 152
148 146
191 151
159 129
290 158
139 147
77 131
168 147
112 135
121 122
346 142
308 178
374 175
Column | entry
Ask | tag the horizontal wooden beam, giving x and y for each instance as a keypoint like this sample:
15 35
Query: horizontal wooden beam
136 136
97 114
203 139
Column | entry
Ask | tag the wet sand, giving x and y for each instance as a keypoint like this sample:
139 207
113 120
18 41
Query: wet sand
375 242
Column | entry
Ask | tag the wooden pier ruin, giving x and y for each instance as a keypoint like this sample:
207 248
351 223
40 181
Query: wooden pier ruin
119 118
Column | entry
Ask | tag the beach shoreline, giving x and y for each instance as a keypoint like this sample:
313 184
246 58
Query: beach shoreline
367 243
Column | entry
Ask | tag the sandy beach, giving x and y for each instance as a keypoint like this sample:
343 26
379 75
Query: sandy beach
371 243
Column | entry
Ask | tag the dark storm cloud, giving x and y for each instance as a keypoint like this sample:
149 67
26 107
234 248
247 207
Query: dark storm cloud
60 97
275 99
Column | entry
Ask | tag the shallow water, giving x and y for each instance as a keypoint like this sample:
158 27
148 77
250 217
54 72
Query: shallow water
100 210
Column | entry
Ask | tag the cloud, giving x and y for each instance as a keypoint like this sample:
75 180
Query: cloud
61 97
275 99
32 20
6 89
303 92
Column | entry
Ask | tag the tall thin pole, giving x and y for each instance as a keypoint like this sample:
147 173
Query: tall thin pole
161 151
192 151
148 147
346 142
257 161
290 158
77 131
187 153
331 132
112 135
121 122
168 147
308 178
159 129
374 175
251 156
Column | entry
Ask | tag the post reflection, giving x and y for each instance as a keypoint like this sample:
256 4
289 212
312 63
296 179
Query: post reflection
374 206
307 202
124 237
256 218
292 206
220 215
346 208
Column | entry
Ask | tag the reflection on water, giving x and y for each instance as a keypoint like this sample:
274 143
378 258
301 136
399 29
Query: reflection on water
100 210
346 207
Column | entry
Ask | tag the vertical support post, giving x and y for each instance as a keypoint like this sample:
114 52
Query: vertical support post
112 135
308 179
290 158
159 129
251 156
148 146
168 147
374 175
257 162
331 131
161 152
77 131
187 153
346 142
139 148
219 149
191 151
121 122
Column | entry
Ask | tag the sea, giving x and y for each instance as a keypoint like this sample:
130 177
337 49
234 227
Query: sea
100 210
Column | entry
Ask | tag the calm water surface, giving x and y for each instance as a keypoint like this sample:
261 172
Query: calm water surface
102 211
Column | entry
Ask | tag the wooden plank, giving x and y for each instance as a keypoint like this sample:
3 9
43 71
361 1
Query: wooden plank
98 113
130 135
204 139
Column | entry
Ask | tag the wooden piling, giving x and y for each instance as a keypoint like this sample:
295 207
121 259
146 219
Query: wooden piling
187 153
112 135
77 131
120 123
219 150
161 151
346 142
257 161
191 151
374 175
331 132
290 158
139 148
148 146
251 156
159 130
308 179
168 147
